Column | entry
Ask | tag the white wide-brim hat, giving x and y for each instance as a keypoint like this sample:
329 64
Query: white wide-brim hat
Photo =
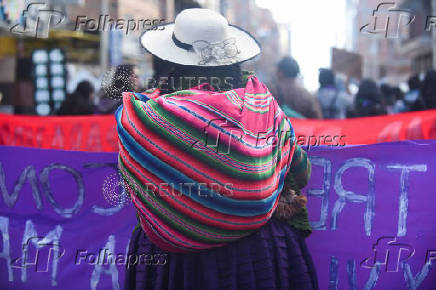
200 37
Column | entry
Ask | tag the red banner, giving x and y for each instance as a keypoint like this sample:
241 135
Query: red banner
98 133
370 130
85 133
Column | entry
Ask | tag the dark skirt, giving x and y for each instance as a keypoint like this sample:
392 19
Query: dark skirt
275 257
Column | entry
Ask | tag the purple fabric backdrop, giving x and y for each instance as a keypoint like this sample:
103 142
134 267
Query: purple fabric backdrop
373 209
375 202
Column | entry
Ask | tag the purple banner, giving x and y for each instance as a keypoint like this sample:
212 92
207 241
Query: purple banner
54 199
372 207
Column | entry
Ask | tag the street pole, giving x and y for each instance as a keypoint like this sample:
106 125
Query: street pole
104 39
170 10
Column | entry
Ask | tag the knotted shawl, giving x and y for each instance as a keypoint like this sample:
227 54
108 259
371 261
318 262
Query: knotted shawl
203 168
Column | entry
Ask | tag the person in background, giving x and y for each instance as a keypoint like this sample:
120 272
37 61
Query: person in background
399 105
293 98
80 102
429 90
334 102
427 98
124 79
388 98
369 100
414 91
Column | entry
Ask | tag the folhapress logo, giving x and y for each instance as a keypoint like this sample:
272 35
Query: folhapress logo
388 20
45 252
387 251
37 19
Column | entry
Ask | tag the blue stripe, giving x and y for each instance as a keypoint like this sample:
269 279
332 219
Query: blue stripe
181 182
193 168
188 207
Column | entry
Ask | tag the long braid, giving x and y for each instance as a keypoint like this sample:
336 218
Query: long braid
291 207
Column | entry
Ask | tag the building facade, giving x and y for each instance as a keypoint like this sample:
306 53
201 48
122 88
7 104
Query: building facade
391 51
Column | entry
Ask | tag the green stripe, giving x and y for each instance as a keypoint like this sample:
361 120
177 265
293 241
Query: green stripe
229 234
219 165
199 134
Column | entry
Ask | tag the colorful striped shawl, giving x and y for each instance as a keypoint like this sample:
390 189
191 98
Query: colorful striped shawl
204 168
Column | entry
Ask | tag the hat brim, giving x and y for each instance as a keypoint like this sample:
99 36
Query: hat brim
159 42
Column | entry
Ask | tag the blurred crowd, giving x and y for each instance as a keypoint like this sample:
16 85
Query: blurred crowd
332 100
85 101
335 101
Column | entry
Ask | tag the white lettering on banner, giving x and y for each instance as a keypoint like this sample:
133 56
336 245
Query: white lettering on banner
333 277
65 212
346 196
6 252
53 244
111 270
330 179
414 131
413 283
58 138
322 193
373 277
390 133
76 136
94 138
404 192
28 174
351 272
30 236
